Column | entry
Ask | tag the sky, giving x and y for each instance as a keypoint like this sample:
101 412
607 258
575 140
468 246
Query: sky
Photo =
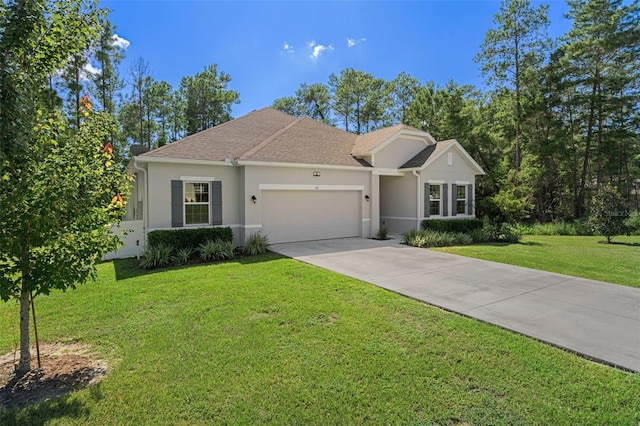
269 48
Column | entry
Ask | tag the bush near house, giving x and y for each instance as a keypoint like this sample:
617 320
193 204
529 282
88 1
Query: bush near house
453 225
185 238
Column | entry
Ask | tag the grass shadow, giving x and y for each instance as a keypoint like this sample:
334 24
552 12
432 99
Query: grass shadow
44 413
619 243
128 268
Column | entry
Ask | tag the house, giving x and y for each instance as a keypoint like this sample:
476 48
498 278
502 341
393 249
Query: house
297 179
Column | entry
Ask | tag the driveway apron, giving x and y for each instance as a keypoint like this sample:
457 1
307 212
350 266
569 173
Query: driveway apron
595 319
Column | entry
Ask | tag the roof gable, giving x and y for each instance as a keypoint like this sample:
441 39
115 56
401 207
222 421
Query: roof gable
431 153
371 142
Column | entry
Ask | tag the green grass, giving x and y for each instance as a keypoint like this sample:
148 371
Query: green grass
268 340
585 257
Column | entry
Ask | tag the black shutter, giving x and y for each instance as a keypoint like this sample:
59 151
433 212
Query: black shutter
427 204
445 199
177 204
454 198
470 199
216 202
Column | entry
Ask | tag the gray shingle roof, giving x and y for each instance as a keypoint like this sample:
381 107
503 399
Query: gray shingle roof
266 135
420 158
366 142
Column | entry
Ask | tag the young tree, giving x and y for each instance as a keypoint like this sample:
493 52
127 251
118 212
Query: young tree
60 189
609 212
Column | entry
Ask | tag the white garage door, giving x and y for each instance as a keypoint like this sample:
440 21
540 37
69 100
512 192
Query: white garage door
310 215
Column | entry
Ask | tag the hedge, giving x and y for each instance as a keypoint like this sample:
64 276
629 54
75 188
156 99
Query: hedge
183 238
452 225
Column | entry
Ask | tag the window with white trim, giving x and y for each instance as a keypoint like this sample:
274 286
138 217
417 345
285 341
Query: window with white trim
435 199
196 203
461 199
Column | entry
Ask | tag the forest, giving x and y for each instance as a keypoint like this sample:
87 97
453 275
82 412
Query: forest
556 119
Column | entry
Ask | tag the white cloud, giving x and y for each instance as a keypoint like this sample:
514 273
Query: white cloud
351 42
88 71
317 49
120 42
288 48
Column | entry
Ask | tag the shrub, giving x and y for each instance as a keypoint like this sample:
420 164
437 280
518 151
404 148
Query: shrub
256 244
409 238
478 235
608 213
462 239
383 233
156 256
183 255
509 234
633 223
429 238
217 250
182 238
452 225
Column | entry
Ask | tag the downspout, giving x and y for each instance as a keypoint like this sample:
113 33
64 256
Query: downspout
145 205
417 175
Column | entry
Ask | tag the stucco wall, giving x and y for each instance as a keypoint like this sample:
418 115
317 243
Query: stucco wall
398 202
398 152
160 176
254 176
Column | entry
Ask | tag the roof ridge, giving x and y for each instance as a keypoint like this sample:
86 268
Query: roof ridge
267 141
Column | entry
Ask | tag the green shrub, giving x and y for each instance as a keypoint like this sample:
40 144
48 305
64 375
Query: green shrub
189 237
429 238
156 256
462 239
609 212
452 225
217 250
577 227
409 238
633 223
256 244
478 236
509 234
383 233
183 255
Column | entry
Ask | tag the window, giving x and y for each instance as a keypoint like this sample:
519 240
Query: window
461 199
434 200
196 203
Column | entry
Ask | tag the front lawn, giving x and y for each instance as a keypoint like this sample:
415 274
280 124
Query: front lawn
584 257
269 340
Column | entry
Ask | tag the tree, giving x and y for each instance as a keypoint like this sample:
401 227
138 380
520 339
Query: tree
403 90
512 52
106 83
59 188
137 124
609 212
208 101
600 68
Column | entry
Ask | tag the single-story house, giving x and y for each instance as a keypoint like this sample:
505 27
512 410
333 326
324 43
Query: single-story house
297 179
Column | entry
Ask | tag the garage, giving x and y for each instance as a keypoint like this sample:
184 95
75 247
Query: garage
304 215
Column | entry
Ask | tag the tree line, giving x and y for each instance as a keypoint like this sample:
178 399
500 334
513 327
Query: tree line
558 118
149 112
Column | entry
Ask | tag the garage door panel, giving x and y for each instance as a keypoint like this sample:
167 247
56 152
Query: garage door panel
310 215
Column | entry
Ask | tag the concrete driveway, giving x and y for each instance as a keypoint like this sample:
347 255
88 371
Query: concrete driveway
595 319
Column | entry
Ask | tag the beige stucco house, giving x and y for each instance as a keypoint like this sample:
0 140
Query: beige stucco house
296 179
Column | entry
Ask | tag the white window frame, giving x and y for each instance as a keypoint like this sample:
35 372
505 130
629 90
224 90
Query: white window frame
432 185
195 203
464 210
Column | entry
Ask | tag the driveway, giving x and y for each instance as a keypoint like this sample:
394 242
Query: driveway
595 319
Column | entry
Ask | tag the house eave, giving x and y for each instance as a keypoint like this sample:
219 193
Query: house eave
169 160
303 165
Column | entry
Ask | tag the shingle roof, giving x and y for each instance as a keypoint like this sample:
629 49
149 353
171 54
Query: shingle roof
368 141
266 135
420 158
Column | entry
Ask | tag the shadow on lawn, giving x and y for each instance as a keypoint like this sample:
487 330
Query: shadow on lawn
128 268
45 412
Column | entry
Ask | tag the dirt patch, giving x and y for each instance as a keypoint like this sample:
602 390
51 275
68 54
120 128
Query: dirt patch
65 367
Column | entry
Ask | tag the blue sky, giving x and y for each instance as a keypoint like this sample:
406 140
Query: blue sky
270 47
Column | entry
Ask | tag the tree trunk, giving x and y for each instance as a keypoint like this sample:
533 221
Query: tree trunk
25 353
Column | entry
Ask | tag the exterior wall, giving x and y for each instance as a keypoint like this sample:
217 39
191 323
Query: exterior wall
160 176
255 176
398 152
458 172
398 202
